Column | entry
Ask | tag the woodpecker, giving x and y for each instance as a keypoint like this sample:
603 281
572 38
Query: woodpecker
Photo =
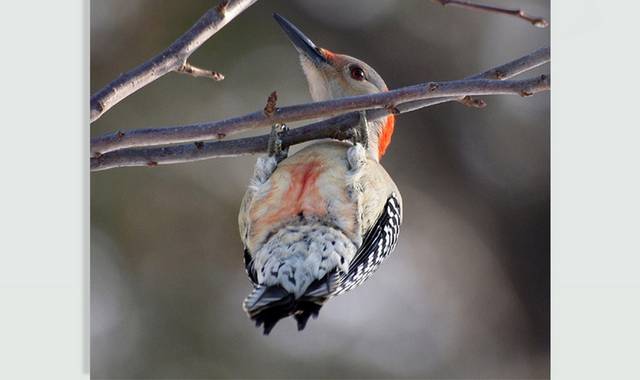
319 222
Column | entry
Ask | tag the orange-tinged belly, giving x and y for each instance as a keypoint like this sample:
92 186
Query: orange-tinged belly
302 197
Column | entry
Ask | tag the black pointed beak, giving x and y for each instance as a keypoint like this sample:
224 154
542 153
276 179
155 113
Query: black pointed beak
301 42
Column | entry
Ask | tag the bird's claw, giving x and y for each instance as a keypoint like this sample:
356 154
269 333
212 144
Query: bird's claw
359 132
275 148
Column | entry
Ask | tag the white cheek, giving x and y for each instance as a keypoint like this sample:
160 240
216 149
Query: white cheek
317 82
363 87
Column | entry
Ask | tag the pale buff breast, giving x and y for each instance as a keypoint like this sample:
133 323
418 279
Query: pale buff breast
316 183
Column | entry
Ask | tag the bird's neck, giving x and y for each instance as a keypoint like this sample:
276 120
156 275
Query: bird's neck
379 136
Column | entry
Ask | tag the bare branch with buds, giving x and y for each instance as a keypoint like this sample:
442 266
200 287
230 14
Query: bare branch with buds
502 72
406 99
535 21
193 142
173 58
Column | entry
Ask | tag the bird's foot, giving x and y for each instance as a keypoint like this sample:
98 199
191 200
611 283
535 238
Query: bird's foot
359 133
275 148
356 157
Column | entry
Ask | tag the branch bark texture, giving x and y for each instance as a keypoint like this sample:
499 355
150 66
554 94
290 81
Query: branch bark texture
173 58
404 99
490 82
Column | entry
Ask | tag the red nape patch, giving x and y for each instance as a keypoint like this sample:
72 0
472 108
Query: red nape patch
385 135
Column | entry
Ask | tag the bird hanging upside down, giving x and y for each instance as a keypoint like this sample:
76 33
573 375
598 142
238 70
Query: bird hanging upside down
320 222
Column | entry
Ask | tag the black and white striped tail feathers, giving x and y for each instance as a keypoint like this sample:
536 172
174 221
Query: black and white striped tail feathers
267 305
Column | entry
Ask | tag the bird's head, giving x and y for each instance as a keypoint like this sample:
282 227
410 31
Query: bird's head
331 75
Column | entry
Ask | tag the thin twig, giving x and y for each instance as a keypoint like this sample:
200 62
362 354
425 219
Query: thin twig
195 71
404 99
173 58
337 128
502 72
535 21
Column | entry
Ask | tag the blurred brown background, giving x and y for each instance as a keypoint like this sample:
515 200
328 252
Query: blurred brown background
466 292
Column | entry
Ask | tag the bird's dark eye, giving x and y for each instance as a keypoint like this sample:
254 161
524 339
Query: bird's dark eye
357 73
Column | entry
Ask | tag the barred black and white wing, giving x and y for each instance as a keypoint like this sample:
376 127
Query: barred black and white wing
380 240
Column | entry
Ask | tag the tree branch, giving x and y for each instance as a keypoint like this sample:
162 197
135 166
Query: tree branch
506 71
405 99
173 58
535 21
337 128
